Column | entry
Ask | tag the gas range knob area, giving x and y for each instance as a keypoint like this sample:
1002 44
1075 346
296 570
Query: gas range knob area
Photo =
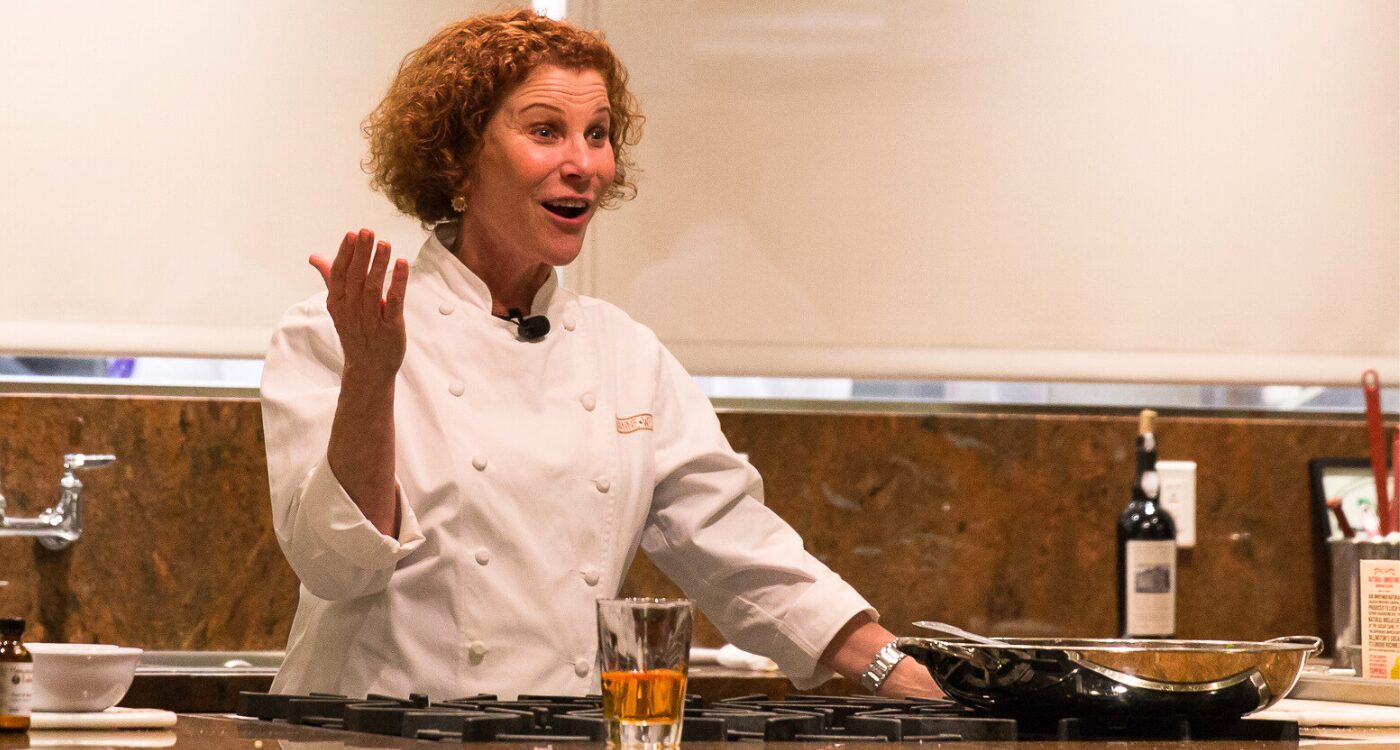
798 718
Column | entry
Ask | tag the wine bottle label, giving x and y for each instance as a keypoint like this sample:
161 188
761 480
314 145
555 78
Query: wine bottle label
1151 583
16 688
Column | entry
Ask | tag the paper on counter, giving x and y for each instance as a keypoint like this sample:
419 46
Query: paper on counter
1331 714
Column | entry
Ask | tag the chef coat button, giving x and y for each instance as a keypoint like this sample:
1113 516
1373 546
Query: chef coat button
569 323
445 309
590 577
589 401
479 463
603 485
456 387
483 556
581 667
477 649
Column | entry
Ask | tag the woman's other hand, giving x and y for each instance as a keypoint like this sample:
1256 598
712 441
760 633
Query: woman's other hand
370 325
373 337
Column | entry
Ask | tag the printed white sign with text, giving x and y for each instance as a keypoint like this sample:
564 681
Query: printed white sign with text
1380 619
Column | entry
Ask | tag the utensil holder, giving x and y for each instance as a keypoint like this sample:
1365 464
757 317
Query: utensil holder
1346 555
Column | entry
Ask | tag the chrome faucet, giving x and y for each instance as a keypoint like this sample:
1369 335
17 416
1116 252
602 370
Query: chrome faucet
61 525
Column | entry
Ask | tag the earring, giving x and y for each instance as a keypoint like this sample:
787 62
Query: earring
459 203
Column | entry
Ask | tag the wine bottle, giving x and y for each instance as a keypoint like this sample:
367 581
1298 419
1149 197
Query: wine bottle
1146 549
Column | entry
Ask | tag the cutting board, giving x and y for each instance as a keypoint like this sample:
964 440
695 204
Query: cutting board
102 738
112 718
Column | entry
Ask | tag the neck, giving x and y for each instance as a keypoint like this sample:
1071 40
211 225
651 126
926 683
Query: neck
513 281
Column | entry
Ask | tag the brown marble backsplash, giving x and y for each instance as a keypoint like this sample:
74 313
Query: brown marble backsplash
1002 523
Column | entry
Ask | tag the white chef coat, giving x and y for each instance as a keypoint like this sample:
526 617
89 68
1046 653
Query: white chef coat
527 473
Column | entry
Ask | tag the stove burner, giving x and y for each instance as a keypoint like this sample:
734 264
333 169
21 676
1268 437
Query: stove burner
545 718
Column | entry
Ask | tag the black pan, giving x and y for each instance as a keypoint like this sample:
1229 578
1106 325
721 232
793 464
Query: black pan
1058 677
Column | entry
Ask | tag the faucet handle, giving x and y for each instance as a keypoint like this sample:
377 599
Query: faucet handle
76 461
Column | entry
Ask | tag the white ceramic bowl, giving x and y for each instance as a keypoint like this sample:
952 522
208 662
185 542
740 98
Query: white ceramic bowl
81 676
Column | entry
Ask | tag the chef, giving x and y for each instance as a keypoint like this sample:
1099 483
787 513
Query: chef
464 455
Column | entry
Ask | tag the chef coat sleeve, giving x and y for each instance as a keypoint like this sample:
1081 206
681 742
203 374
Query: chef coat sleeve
710 532
335 551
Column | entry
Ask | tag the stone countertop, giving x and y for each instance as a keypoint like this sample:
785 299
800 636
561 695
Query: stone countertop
194 732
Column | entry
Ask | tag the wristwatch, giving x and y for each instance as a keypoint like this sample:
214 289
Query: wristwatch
881 667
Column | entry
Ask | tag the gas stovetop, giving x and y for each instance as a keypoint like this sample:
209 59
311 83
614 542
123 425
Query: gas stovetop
544 718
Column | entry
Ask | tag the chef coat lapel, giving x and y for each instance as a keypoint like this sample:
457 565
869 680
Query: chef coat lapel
461 282
468 287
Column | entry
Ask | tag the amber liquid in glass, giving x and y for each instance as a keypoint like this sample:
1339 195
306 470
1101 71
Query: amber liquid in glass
652 696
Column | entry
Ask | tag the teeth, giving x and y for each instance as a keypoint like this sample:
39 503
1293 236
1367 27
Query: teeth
569 203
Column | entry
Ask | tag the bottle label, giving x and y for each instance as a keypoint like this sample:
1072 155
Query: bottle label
1151 583
16 688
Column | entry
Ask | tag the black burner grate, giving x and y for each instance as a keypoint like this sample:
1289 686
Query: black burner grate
544 718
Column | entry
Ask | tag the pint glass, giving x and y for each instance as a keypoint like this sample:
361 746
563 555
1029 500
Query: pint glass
643 651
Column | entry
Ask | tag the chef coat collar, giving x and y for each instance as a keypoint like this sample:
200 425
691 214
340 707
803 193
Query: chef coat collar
466 285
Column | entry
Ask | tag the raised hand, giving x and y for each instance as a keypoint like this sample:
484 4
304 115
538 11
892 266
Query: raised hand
371 331
370 326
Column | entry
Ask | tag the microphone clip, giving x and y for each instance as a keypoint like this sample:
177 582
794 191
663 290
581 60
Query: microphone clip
532 328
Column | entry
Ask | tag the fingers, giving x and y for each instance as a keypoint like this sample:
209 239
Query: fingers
374 281
355 282
398 288
322 266
342 262
359 264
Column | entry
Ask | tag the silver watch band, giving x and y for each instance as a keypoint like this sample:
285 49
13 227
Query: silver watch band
881 667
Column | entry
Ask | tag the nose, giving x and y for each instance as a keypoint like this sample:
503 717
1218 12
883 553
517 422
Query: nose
580 160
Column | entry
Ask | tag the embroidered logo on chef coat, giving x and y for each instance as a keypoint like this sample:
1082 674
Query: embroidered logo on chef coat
634 423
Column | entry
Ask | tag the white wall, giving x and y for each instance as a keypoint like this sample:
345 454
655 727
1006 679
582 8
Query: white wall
1200 191
170 165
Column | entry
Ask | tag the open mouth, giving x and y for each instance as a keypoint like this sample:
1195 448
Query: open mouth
568 208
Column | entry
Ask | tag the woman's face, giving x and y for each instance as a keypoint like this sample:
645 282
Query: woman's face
545 161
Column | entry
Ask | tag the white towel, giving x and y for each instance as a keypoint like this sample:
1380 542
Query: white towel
733 657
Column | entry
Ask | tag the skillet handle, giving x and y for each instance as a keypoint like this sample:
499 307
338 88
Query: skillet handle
912 645
1301 640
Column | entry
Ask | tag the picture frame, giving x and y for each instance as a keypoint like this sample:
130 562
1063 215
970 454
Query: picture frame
1349 479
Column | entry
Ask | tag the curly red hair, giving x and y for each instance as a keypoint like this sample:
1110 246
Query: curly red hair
425 135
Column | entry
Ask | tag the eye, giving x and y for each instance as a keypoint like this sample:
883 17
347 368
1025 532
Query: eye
598 134
543 132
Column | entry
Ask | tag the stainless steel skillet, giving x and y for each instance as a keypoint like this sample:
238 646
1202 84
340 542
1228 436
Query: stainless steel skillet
1111 677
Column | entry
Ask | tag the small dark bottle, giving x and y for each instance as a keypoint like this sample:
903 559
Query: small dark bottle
1146 549
16 677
